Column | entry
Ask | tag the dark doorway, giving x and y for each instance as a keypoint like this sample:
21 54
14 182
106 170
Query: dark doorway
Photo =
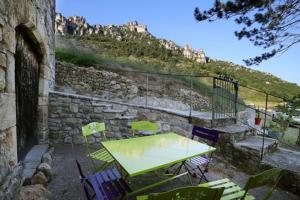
27 85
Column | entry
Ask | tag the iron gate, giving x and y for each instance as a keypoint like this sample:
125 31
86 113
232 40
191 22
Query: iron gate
224 99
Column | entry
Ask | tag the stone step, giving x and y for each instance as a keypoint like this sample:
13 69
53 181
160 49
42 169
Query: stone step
289 160
105 105
200 118
116 111
119 107
110 114
284 159
32 160
253 145
237 132
126 117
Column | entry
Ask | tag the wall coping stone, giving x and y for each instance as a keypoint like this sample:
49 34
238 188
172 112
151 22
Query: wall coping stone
185 114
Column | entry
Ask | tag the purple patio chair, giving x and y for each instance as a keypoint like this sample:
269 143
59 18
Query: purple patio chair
202 162
104 185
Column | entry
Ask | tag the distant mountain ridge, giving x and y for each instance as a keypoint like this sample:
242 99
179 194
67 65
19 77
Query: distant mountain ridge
78 26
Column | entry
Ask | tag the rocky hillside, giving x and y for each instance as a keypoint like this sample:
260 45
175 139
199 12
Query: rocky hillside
77 26
132 47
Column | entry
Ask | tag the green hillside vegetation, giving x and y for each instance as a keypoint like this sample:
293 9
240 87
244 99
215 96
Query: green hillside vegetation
142 52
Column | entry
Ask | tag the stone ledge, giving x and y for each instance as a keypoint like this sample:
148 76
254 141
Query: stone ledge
206 116
290 161
32 160
237 132
285 159
234 129
125 118
254 145
114 111
101 105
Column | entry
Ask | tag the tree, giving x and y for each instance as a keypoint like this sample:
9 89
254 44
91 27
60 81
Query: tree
271 24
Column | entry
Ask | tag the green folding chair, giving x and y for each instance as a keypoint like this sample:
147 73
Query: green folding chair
233 191
187 193
148 128
101 154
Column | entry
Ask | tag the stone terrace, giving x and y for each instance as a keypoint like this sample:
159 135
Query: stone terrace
66 183
238 143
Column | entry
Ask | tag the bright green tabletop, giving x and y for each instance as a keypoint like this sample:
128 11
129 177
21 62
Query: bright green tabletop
144 154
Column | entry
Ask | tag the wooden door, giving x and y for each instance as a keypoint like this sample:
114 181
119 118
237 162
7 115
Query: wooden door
26 85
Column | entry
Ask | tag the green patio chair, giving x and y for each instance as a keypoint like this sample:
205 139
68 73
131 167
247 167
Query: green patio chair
101 154
148 128
187 193
233 191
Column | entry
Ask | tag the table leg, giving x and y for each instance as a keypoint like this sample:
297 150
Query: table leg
188 171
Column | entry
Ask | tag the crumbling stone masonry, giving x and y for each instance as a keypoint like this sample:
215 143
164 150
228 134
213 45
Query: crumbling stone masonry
27 60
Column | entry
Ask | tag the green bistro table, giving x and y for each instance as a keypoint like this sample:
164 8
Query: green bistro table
140 155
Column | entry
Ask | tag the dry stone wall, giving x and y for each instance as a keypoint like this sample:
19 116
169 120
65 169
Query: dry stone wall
106 84
127 88
69 112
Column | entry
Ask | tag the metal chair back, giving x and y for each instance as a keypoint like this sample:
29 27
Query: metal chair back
144 126
90 129
269 177
205 133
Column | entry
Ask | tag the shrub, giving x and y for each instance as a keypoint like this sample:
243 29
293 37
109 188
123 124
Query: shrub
77 57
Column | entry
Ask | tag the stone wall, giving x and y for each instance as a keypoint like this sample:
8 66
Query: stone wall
36 19
69 112
106 84
128 87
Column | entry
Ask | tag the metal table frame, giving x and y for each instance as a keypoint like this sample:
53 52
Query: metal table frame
140 155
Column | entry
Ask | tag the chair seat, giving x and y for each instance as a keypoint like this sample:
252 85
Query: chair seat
109 184
200 160
102 155
232 191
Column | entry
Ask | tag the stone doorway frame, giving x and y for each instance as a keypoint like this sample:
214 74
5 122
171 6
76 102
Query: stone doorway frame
31 32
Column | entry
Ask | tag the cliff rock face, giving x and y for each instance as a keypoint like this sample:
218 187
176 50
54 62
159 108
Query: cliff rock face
191 53
169 44
76 25
135 26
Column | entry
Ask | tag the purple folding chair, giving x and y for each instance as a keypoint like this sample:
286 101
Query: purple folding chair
104 185
202 162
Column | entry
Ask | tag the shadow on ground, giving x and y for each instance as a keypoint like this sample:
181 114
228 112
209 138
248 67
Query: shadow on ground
65 183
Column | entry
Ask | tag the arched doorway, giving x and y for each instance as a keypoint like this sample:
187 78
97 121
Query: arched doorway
27 90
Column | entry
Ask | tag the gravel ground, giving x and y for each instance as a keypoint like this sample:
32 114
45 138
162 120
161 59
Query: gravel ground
65 182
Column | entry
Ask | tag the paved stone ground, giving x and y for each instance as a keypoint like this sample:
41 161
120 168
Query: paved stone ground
285 159
65 183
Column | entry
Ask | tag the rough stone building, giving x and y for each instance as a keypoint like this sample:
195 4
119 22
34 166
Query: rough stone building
27 63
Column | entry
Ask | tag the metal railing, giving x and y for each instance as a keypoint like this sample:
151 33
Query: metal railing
157 89
224 96
268 109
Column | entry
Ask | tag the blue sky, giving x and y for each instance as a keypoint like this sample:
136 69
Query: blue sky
174 20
